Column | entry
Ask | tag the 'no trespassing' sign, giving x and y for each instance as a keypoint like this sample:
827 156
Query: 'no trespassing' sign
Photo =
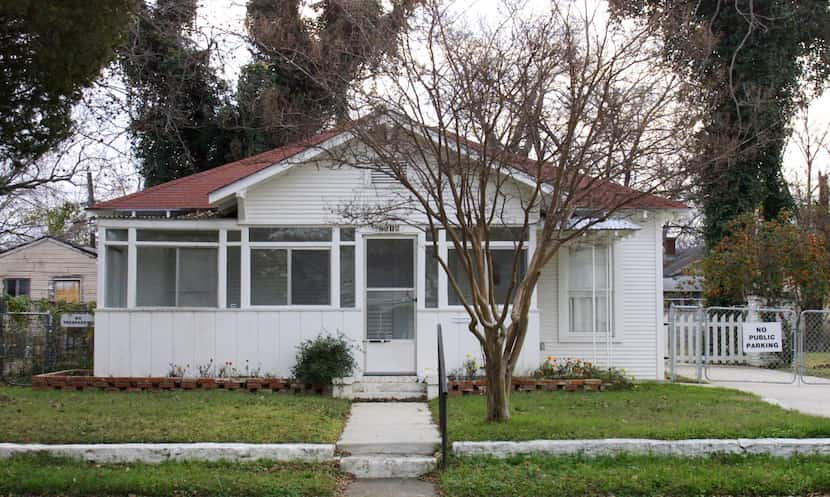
762 337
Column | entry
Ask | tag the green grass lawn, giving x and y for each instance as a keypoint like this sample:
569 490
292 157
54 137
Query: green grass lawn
625 476
45 475
661 411
817 364
28 415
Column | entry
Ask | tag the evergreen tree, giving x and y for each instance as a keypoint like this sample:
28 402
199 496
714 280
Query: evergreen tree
750 59
49 52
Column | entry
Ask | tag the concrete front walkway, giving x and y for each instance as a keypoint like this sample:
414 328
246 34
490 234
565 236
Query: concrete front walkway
771 385
389 440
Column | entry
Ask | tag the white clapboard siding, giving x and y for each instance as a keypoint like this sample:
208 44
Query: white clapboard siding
638 302
312 194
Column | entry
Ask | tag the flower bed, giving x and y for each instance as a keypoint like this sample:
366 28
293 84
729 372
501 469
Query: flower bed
457 387
83 380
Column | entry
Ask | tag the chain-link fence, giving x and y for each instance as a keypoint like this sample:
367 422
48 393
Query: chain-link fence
38 338
815 347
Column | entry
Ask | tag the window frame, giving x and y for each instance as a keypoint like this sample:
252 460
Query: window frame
74 279
17 284
614 307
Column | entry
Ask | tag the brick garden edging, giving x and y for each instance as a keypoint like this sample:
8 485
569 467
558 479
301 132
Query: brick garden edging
479 386
778 447
66 380
154 453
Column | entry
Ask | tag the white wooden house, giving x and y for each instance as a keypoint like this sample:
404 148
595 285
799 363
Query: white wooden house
241 263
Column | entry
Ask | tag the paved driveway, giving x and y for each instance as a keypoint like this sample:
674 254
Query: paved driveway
807 398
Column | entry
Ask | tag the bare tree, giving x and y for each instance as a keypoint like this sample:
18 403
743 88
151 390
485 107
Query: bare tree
533 125
812 141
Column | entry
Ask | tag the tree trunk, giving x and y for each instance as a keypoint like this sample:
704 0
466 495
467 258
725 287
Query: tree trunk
498 387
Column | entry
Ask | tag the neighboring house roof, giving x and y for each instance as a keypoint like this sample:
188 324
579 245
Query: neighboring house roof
192 192
49 239
675 277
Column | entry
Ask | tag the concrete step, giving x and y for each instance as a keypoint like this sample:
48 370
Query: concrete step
401 447
387 379
399 396
388 466
359 386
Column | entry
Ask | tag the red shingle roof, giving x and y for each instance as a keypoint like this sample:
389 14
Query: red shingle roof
191 192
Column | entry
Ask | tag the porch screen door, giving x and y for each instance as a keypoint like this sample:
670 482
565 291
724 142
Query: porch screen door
390 305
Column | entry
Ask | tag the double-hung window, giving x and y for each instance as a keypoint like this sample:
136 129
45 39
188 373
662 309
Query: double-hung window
290 266
17 287
586 285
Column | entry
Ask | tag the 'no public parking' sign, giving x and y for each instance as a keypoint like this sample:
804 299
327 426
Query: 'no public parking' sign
762 337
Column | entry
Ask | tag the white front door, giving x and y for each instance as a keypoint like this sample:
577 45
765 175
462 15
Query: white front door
390 305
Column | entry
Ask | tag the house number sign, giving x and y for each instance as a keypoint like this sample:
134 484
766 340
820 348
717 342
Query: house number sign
762 337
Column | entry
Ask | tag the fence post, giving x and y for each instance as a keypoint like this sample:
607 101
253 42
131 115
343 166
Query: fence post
672 344
699 324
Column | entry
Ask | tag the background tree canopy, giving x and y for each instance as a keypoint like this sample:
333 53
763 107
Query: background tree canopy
750 59
49 52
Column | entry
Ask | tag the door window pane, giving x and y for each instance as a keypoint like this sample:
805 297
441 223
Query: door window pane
390 263
116 277
347 281
234 277
310 277
197 277
347 234
67 291
390 314
156 277
269 277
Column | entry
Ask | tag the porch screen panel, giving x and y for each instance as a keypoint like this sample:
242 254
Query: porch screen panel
156 277
431 269
269 277
310 277
390 315
502 260
347 279
198 279
116 277
234 277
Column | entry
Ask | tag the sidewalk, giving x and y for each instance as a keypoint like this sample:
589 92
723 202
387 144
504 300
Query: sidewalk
810 399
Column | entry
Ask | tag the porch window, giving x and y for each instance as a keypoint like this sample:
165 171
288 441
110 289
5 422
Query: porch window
589 289
502 271
290 276
176 277
115 291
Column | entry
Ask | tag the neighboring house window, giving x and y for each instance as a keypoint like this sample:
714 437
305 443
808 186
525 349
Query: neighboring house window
587 271
17 287
295 274
66 290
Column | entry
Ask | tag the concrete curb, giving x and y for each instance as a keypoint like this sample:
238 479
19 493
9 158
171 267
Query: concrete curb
778 447
157 453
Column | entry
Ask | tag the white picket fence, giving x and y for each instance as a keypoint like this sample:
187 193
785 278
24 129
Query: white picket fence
722 338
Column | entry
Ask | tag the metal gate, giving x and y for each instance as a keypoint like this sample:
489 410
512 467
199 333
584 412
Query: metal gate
814 348
708 343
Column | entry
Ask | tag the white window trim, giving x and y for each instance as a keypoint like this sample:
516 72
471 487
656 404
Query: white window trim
565 333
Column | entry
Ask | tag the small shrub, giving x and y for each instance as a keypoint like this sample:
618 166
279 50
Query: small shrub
322 359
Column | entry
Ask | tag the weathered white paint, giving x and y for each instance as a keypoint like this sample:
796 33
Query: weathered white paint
155 453
777 447
637 305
